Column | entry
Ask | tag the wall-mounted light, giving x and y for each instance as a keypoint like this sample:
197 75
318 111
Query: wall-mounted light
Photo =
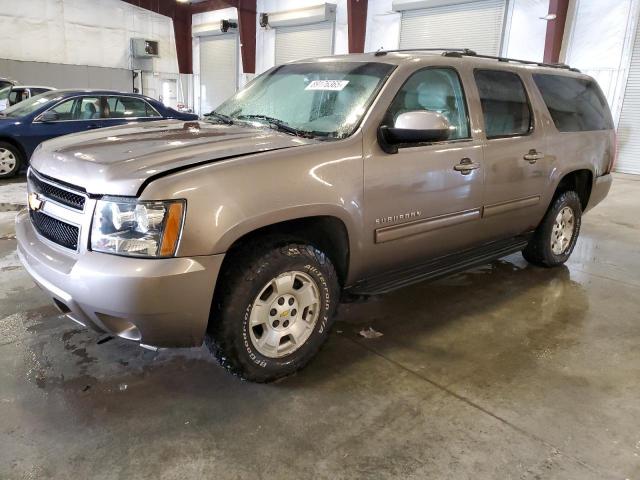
550 16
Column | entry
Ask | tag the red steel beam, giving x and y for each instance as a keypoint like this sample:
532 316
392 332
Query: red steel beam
555 30
357 28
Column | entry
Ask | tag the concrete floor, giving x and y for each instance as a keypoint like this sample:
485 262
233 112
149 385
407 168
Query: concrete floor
508 371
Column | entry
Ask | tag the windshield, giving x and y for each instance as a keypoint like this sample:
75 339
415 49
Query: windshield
30 105
319 99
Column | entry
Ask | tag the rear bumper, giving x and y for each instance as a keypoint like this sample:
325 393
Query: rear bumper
159 302
599 191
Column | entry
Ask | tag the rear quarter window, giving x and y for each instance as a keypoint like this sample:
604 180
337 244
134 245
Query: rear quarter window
575 104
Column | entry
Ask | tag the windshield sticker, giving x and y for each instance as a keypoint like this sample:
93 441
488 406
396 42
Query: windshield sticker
336 85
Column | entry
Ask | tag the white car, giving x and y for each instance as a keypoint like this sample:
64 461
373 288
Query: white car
13 94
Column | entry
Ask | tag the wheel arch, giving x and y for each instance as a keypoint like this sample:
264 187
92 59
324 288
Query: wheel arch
16 144
329 233
579 181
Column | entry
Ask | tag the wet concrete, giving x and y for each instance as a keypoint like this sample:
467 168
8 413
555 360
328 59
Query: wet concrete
508 371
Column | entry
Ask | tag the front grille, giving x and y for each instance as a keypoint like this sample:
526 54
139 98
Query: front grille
55 230
57 194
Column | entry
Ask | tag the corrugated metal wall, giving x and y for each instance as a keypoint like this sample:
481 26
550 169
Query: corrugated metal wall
304 41
629 125
218 70
475 25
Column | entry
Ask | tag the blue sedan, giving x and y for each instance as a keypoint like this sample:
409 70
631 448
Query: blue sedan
60 112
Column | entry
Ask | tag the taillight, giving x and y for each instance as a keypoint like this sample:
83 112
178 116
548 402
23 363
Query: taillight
614 154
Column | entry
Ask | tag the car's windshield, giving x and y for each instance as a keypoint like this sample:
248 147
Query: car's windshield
4 93
319 99
30 105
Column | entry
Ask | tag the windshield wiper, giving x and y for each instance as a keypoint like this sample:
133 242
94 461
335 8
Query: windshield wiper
223 118
279 124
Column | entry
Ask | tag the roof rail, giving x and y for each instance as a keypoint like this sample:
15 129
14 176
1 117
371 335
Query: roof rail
465 52
381 52
471 53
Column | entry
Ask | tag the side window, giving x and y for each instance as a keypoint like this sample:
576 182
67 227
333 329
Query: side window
15 96
437 90
575 104
129 107
65 109
504 102
88 108
151 112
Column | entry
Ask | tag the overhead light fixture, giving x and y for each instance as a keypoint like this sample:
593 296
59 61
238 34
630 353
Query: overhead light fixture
182 1
551 16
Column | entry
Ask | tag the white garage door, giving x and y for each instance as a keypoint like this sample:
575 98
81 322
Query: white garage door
629 125
304 41
218 70
475 25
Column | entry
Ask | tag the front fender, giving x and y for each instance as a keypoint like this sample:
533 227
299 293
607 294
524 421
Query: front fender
226 200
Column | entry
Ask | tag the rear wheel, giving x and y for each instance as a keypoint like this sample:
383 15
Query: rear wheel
10 160
274 311
557 234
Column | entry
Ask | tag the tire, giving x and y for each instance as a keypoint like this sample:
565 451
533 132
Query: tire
10 160
542 249
248 295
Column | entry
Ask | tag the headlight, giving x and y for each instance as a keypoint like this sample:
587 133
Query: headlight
138 228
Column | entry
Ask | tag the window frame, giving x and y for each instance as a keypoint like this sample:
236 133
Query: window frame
465 99
63 100
532 116
590 80
118 97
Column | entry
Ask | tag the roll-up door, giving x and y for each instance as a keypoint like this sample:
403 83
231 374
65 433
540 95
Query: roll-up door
218 69
629 124
304 41
476 25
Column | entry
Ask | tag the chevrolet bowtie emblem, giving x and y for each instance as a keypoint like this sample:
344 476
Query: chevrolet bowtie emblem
35 203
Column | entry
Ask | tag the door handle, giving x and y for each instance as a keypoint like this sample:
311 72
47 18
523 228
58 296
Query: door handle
533 156
466 166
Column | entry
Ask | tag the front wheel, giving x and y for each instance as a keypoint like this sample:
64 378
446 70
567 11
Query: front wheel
274 311
557 234
10 160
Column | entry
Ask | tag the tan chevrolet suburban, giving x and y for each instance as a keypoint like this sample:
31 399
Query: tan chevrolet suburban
325 178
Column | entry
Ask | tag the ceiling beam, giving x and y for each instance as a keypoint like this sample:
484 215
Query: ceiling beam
555 30
357 28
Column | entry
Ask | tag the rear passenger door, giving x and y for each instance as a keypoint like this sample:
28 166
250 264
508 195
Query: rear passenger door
516 166
123 109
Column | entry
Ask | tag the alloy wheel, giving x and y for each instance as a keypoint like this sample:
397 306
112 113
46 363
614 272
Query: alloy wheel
284 314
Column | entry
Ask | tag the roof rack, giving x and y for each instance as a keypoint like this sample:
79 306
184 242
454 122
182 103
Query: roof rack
382 52
465 52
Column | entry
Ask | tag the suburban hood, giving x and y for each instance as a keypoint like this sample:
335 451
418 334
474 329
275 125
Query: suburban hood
118 160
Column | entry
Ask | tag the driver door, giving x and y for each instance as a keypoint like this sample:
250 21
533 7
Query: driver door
422 203
76 114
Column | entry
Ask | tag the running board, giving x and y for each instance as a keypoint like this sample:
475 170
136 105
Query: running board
438 268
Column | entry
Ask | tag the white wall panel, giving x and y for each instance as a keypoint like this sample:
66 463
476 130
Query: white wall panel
526 30
82 32
599 41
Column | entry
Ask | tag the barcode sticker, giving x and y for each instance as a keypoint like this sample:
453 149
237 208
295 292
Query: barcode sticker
336 85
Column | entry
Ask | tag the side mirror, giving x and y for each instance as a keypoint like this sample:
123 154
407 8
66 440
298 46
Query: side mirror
48 116
418 126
